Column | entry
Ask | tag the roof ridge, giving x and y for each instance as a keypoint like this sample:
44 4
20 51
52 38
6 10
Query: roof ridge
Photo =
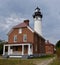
20 25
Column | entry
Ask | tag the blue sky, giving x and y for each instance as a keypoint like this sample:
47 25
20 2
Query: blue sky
13 12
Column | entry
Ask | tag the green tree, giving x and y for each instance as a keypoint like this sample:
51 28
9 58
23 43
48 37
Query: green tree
1 46
58 49
58 44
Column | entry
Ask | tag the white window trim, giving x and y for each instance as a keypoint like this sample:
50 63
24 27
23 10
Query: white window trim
23 38
15 36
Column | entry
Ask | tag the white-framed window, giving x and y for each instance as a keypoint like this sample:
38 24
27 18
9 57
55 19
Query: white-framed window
15 38
20 30
25 38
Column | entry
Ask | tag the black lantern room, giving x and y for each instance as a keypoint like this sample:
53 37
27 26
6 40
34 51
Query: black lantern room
37 13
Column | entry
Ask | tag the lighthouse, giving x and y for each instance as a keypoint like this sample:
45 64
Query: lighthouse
37 16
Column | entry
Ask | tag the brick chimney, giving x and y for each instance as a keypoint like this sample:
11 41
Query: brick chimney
27 22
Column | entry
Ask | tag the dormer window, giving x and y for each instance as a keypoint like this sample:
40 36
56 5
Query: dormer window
20 30
15 38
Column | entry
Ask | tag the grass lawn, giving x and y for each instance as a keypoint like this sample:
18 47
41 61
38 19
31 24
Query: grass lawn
20 61
55 62
16 61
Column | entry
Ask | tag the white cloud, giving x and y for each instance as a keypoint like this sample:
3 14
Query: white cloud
10 21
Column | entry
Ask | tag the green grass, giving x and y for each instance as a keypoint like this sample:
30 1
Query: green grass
16 61
12 61
55 62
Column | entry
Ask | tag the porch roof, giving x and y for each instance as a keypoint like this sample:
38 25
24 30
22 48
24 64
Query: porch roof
17 44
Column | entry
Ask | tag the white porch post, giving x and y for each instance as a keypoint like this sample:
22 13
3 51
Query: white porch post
9 50
32 49
29 49
4 50
22 49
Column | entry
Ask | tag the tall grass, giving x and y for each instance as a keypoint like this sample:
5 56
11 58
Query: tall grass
55 62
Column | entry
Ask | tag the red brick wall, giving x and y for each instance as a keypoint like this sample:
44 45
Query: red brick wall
20 36
40 42
49 49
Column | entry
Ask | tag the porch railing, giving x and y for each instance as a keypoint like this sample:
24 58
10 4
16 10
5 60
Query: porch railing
17 53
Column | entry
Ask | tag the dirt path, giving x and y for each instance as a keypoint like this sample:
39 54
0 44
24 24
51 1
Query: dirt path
46 62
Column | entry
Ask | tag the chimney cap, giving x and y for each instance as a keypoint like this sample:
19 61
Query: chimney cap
26 22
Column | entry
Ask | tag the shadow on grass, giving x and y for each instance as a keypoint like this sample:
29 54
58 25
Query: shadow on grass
44 57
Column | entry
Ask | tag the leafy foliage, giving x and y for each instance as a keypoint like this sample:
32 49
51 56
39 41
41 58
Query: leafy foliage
58 44
58 49
1 46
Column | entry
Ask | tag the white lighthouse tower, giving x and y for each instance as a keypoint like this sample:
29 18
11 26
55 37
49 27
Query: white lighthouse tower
38 21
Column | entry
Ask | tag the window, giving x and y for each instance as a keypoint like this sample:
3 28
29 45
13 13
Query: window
24 38
20 30
15 38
